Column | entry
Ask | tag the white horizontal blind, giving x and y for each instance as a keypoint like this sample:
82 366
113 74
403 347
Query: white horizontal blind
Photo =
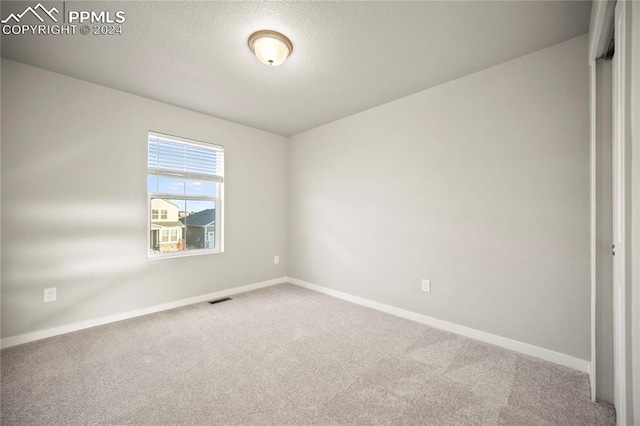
173 156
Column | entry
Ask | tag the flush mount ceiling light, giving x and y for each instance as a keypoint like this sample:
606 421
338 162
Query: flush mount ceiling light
271 47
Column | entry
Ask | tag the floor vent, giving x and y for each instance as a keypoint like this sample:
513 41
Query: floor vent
213 302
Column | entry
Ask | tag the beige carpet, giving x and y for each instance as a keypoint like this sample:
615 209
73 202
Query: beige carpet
284 355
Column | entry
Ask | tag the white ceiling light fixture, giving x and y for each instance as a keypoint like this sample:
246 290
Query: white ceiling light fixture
270 47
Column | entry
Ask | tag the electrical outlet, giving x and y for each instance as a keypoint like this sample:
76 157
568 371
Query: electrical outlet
50 294
426 286
276 259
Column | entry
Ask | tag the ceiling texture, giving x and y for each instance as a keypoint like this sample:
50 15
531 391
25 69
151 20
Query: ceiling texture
347 56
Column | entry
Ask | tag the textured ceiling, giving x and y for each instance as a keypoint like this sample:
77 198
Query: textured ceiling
348 56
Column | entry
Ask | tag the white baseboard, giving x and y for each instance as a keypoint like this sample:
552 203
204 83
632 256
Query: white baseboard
514 345
43 334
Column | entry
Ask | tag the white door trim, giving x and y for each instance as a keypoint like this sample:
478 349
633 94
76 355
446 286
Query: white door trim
635 207
619 167
592 218
602 19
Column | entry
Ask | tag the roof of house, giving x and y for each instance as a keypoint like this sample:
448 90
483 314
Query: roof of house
202 218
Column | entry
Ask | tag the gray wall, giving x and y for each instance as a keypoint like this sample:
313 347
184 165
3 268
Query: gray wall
604 236
480 184
74 202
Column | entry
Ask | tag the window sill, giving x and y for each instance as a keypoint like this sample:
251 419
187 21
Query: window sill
186 253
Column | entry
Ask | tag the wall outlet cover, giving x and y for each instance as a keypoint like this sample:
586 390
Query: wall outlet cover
50 294
426 286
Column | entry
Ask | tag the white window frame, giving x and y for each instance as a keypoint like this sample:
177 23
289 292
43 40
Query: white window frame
218 199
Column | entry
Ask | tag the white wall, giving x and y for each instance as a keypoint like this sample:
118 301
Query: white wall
74 202
480 184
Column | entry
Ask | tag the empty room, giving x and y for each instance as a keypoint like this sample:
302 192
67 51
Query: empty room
320 213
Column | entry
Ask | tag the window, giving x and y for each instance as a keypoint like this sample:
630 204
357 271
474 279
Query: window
185 183
169 235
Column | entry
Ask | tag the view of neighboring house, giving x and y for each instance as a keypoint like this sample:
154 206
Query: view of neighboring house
167 231
201 229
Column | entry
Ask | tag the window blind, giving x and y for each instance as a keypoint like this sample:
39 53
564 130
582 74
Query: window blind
172 156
